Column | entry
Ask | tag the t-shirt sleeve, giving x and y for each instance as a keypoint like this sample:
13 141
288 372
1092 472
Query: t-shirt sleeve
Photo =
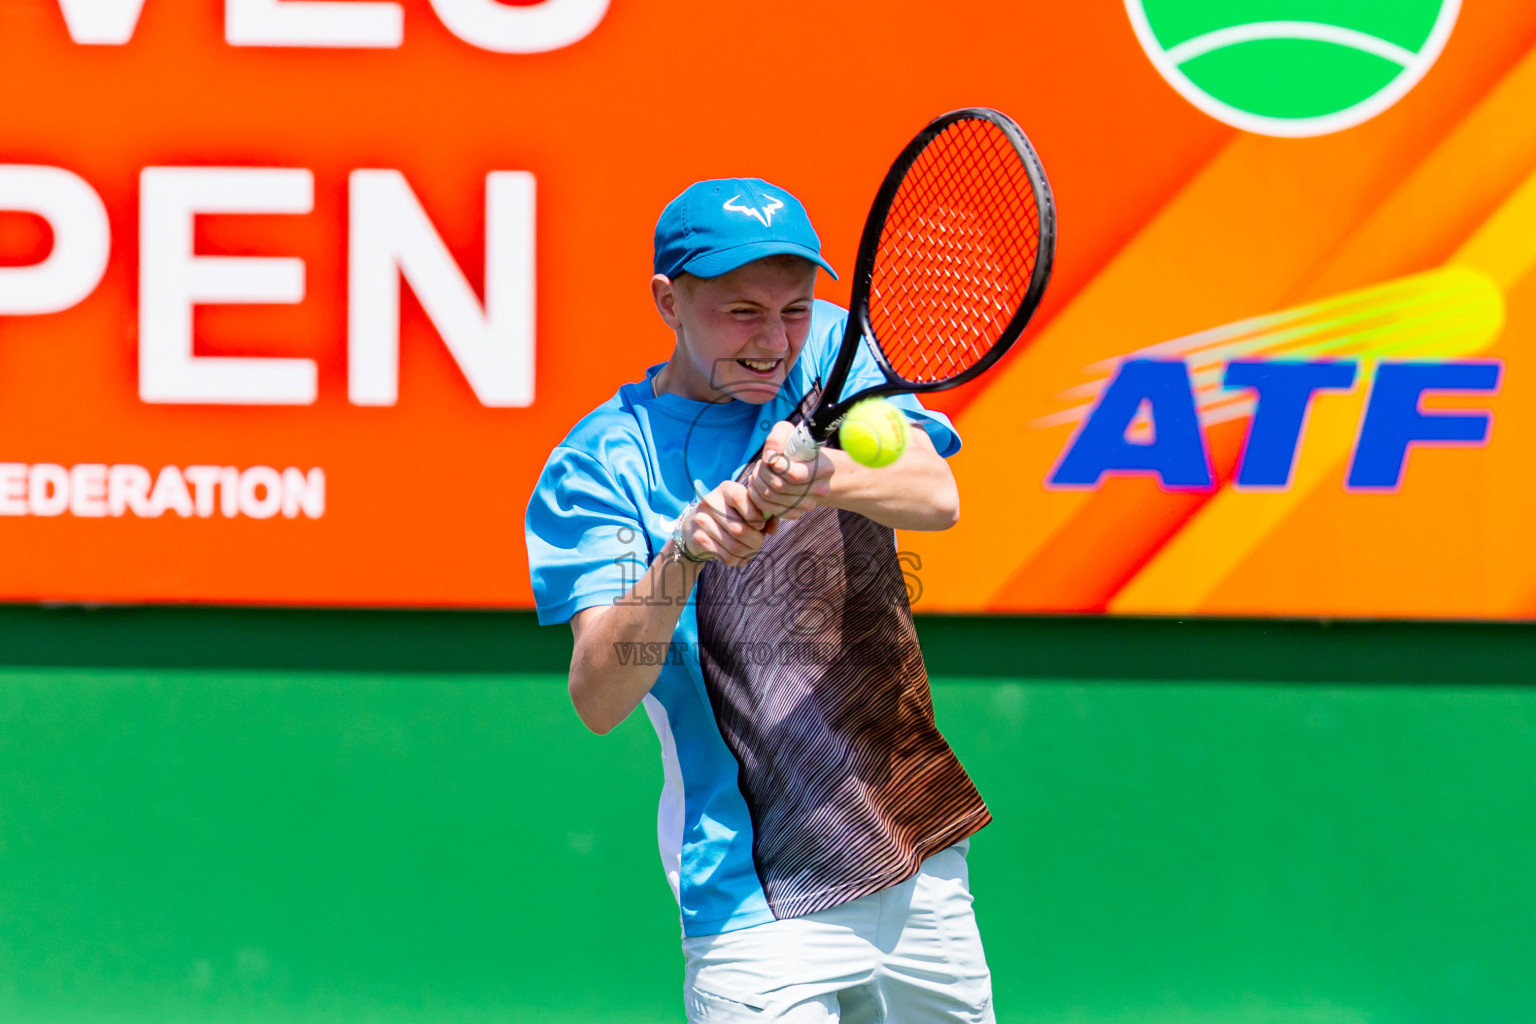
827 334
585 539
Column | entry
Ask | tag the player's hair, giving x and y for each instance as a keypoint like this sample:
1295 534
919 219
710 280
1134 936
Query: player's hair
786 261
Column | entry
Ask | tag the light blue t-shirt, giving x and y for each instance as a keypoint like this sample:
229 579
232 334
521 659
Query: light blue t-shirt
605 504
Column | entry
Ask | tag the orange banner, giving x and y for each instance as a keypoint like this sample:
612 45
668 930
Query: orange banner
296 296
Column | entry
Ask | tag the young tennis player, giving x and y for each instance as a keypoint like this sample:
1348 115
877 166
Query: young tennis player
813 822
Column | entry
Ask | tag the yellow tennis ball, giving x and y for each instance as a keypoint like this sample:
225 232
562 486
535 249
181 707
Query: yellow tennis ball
874 432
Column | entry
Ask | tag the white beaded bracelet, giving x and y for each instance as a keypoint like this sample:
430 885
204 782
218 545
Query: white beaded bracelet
680 549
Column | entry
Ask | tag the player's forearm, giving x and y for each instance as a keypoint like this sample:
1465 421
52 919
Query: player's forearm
916 492
620 648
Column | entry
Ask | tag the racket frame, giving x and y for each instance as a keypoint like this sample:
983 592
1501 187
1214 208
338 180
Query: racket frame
829 411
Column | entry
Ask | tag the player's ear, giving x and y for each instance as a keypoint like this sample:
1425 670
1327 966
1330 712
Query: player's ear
664 294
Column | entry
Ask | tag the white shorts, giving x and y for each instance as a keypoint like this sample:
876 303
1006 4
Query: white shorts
906 955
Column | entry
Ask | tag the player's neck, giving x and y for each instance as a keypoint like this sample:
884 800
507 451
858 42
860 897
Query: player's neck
674 379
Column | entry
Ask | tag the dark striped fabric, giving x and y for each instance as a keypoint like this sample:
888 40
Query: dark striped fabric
814 673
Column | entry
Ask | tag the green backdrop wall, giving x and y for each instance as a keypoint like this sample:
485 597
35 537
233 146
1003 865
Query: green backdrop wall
244 816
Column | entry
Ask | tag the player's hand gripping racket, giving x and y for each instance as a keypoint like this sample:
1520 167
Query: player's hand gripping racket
952 264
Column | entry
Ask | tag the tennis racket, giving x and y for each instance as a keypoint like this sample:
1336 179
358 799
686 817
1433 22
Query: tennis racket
954 259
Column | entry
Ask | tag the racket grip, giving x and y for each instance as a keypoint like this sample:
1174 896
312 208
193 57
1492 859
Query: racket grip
802 447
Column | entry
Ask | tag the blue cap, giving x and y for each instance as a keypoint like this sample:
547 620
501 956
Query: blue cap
718 225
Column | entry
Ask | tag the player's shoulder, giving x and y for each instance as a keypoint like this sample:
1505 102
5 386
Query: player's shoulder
605 437
613 420
827 320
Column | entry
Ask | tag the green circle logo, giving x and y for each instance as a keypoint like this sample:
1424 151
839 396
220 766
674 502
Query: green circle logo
1293 67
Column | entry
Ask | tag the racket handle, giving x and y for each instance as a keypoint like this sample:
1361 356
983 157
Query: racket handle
802 447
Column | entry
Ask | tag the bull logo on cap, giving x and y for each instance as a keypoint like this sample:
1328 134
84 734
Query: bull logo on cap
764 214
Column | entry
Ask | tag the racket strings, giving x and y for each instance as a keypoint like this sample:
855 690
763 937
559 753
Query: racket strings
957 253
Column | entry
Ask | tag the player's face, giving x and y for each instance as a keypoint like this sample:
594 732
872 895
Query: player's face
737 334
